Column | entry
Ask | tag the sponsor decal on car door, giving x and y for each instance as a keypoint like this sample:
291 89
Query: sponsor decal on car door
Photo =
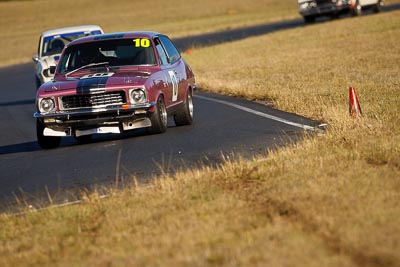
174 81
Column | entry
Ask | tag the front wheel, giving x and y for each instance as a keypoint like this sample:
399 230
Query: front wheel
357 9
185 114
159 118
38 83
309 19
46 142
378 7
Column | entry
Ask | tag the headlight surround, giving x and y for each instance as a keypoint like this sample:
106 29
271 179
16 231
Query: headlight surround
303 5
137 96
46 105
46 73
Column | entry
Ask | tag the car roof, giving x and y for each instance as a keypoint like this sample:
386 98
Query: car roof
81 28
116 35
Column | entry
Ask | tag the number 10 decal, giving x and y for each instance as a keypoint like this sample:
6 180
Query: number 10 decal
141 42
174 81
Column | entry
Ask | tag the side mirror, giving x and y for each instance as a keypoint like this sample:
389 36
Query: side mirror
35 58
52 69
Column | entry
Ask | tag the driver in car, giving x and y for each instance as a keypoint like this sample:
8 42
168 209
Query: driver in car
89 55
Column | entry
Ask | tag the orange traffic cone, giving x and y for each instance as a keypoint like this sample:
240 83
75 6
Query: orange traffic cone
354 104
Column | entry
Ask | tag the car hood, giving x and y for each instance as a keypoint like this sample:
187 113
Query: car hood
98 81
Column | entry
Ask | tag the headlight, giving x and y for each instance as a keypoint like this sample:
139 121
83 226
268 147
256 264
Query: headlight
46 105
304 5
138 96
46 73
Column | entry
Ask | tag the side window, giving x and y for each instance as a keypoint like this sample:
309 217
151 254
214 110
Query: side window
161 53
172 52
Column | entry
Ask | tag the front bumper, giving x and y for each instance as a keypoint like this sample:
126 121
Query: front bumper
331 8
91 121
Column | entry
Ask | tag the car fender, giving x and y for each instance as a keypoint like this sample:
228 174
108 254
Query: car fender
153 102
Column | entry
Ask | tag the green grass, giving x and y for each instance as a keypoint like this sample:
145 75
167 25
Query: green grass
328 200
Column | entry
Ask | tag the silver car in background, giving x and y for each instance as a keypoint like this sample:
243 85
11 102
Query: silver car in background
311 9
51 44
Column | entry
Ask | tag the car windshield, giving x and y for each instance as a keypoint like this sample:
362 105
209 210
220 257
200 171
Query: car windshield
116 52
54 44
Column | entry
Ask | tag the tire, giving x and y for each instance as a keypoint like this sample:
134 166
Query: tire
159 118
309 19
378 7
84 138
357 9
38 83
334 16
46 142
185 114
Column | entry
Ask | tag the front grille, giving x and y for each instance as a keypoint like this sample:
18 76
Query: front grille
92 101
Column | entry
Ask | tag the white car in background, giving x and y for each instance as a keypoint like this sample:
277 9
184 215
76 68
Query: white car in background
311 9
51 44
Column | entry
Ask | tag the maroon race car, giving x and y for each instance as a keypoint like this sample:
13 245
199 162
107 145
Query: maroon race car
112 83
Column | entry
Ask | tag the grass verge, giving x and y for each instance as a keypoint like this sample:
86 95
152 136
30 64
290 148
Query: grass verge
21 22
326 201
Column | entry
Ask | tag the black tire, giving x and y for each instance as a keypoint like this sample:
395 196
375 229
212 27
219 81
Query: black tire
309 19
84 138
159 118
378 7
46 142
185 115
334 16
357 9
38 83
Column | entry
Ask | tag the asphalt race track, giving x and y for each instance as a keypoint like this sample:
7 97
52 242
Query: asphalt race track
27 171
223 126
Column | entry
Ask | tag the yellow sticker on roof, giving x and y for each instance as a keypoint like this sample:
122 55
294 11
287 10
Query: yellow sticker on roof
141 42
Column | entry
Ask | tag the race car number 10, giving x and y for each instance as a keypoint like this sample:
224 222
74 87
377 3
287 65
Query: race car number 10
141 42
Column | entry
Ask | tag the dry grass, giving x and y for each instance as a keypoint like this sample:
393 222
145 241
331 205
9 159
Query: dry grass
309 70
21 22
343 187
326 201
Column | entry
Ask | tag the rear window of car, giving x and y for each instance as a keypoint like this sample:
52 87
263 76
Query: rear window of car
54 44
116 52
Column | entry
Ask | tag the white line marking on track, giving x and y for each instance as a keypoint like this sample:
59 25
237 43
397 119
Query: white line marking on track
255 112
258 113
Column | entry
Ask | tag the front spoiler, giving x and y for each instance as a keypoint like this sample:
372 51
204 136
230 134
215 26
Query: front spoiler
84 122
92 112
325 9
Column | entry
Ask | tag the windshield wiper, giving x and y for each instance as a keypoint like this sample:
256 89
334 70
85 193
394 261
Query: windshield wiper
86 66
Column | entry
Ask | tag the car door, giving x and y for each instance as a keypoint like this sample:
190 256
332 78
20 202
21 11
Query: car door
174 70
